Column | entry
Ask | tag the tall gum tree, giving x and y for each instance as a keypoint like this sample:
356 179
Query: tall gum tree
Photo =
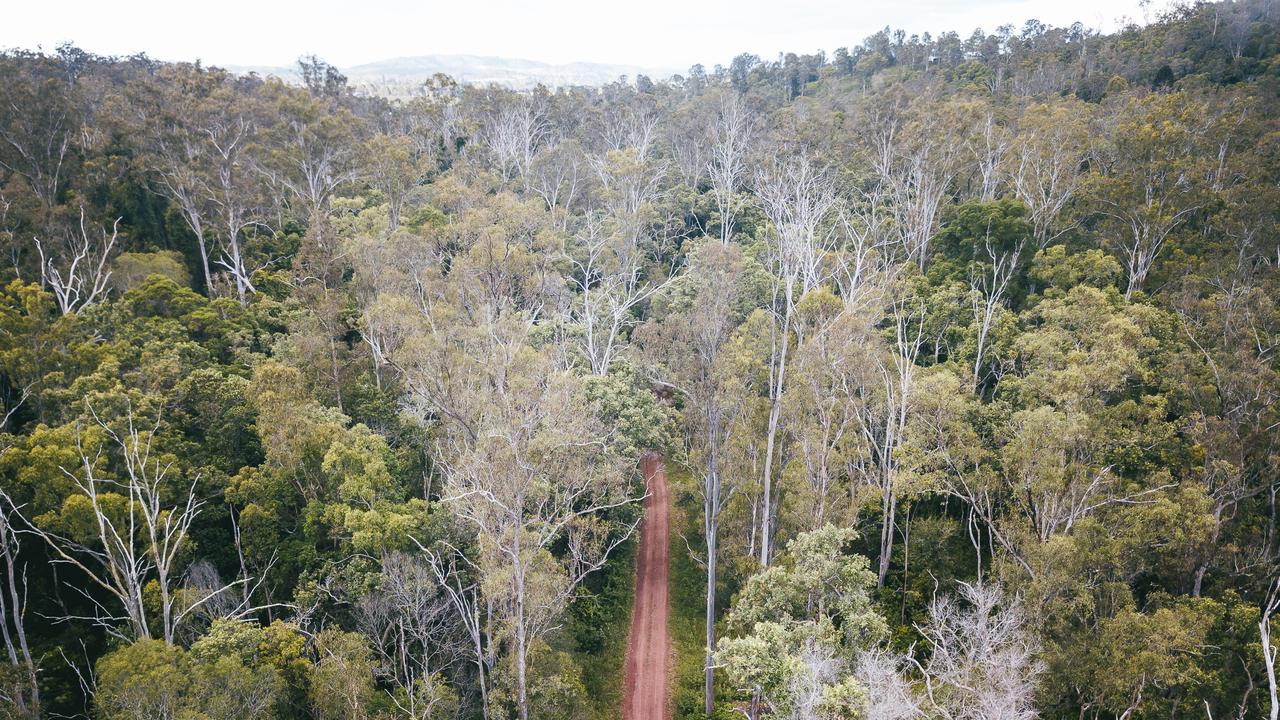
687 350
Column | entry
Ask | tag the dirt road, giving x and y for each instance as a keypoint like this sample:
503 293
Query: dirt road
649 645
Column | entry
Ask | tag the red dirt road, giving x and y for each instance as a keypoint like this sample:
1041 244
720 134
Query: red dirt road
649 646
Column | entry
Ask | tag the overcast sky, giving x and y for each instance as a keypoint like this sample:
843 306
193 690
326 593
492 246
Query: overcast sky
667 34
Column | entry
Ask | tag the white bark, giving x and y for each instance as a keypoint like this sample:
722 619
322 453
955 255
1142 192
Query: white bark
1269 607
982 661
25 694
77 274
411 623
915 161
525 462
1048 174
883 410
988 289
798 198
732 131
513 136
611 279
145 542
456 575
890 693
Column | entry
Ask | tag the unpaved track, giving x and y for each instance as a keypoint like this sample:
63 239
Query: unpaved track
649 645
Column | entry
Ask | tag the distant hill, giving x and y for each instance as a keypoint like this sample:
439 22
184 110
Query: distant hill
398 75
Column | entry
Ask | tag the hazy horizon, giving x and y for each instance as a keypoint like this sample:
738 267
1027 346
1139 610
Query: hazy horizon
936 379
667 35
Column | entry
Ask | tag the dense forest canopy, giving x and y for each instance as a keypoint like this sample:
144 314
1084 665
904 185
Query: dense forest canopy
962 352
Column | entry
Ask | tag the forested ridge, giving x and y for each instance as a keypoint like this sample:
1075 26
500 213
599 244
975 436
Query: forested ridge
961 352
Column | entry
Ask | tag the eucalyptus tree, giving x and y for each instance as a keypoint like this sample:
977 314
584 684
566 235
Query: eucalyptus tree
24 692
123 533
311 147
733 131
915 154
798 622
77 270
688 351
513 134
172 151
525 460
798 197
982 658
1050 145
527 463
201 128
40 125
410 624
613 274
1269 649
885 407
1149 185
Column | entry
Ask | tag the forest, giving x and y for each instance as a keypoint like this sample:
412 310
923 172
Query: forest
962 355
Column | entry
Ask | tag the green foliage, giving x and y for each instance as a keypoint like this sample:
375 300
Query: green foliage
599 623
1057 270
800 614
639 420
978 229
342 681
133 267
686 585
555 686
224 676
1034 338
143 680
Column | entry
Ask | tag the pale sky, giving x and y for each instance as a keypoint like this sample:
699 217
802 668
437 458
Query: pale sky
667 34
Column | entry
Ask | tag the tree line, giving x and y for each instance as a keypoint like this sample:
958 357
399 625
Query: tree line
320 403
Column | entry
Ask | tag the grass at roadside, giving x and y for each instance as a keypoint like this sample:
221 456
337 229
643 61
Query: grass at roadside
599 623
688 585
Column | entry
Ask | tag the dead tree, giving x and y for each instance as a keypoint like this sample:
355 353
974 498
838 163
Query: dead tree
798 198
131 547
982 659
1269 607
24 694
732 135
78 272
